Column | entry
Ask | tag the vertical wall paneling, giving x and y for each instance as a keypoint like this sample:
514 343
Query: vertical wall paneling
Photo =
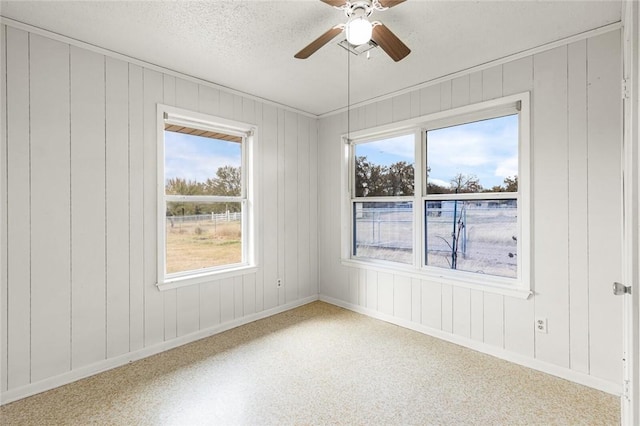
371 115
401 107
517 77
431 304
325 136
494 319
462 312
414 103
185 299
238 296
136 209
358 118
249 294
372 289
416 299
313 208
238 107
475 87
578 197
4 316
258 149
209 304
269 142
576 212
184 305
362 288
492 83
604 153
170 296
225 107
445 95
518 326
477 315
209 100
303 211
447 308
460 91
88 272
79 199
402 297
430 99
385 293
153 298
50 210
18 216
281 216
354 283
227 300
384 111
550 172
117 199
291 206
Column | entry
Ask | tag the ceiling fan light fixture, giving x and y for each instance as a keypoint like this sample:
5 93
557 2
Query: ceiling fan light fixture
359 30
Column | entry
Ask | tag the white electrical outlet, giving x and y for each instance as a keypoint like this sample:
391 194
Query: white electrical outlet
278 283
541 325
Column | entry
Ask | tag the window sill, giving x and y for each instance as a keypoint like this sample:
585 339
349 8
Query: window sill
408 271
177 282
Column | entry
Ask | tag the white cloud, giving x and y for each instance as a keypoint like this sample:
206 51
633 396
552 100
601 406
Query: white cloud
507 168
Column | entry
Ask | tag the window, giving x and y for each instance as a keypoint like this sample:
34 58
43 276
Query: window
445 195
471 198
383 201
204 203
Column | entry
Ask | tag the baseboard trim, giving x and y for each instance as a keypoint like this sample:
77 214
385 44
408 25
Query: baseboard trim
554 370
118 361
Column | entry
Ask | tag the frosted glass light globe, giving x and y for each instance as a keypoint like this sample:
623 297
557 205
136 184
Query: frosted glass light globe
359 31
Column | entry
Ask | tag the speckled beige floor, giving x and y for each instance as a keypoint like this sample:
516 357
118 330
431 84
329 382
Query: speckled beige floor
318 364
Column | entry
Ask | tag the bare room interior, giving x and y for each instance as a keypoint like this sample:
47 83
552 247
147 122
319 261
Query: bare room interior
319 212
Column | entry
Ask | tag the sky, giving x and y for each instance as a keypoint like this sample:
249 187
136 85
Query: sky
487 149
197 158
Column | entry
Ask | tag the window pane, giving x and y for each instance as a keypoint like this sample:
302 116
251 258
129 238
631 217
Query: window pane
385 167
383 231
202 235
196 165
475 236
475 157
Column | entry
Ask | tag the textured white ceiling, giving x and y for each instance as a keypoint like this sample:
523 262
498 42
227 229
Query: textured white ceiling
249 45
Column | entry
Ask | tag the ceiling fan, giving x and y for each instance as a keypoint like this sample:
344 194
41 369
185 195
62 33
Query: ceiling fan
359 30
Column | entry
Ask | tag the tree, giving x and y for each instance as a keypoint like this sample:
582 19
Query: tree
465 183
228 182
370 178
400 177
180 186
511 184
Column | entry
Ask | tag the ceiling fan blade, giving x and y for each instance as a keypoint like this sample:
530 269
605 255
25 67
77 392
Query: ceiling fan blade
318 43
388 41
335 3
389 3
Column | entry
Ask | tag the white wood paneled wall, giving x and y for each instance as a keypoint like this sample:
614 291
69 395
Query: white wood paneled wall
576 169
79 211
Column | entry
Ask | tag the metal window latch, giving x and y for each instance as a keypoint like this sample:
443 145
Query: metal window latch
620 289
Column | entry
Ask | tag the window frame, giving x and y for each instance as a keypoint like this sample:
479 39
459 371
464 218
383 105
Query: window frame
187 118
353 199
513 104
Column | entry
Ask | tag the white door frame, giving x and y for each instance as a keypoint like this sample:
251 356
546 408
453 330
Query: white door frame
630 401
